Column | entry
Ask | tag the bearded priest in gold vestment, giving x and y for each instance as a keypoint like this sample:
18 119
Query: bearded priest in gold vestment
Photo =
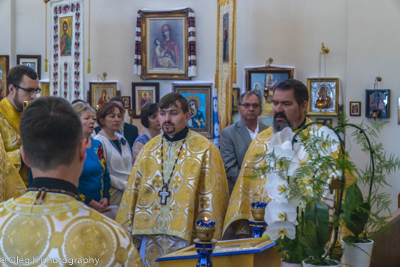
178 178
290 102
49 225
22 85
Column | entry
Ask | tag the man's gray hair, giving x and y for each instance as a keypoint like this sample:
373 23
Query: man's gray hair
248 94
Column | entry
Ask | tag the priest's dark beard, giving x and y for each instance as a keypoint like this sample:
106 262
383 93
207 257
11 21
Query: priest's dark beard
18 103
279 126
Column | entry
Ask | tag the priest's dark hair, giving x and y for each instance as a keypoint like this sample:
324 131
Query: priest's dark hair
16 74
170 100
146 112
299 89
50 131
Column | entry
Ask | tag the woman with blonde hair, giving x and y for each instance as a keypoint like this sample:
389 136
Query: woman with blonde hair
94 182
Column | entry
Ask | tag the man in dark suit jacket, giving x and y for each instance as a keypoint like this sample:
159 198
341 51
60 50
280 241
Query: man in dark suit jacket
235 139
129 131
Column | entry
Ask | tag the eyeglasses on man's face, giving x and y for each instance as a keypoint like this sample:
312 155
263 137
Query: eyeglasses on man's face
29 90
247 105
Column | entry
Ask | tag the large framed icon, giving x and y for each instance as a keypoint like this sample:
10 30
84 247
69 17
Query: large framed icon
165 46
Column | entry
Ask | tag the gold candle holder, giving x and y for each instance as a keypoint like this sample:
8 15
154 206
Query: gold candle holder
258 213
205 230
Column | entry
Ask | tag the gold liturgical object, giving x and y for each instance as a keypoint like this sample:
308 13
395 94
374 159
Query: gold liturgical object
321 101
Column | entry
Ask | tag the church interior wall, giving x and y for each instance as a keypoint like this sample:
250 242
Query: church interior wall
362 36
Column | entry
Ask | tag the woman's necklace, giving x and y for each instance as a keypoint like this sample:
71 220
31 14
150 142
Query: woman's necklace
164 193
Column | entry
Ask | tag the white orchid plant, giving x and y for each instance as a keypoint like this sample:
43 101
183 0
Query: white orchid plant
299 169
302 170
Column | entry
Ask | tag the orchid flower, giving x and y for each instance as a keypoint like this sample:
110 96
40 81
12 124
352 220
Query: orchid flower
288 159
329 143
284 139
276 187
280 229
279 211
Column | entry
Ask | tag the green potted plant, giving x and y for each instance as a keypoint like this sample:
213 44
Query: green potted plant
297 169
357 215
298 175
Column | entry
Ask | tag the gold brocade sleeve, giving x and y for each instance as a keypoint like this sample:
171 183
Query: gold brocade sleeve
9 129
11 183
245 188
126 209
212 191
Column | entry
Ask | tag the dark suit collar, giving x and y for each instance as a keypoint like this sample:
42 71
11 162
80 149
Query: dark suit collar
242 129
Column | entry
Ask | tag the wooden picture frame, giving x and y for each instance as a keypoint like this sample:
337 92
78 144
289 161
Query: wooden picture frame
4 68
100 93
377 99
235 98
327 88
255 81
201 106
324 120
127 102
45 86
167 59
255 77
32 61
143 94
355 108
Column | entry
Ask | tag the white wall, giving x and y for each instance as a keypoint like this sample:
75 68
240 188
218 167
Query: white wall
372 41
362 35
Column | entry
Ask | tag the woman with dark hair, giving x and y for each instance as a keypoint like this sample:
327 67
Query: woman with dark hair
149 119
117 152
94 182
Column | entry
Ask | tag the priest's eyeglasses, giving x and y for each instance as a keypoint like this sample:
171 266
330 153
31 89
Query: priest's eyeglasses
247 105
30 90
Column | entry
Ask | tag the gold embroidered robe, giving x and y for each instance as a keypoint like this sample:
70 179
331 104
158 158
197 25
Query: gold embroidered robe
11 184
60 232
198 189
9 130
245 188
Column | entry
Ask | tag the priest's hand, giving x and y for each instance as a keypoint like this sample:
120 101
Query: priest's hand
104 202
96 205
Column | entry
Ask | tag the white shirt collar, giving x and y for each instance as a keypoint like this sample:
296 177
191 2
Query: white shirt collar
253 134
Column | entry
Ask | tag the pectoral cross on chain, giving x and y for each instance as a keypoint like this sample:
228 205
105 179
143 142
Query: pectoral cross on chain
164 193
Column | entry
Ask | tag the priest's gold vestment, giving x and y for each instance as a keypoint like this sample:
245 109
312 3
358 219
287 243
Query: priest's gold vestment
198 189
11 183
246 189
61 231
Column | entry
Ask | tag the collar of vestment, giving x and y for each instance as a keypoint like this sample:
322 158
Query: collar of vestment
52 183
301 125
12 115
179 136
52 204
